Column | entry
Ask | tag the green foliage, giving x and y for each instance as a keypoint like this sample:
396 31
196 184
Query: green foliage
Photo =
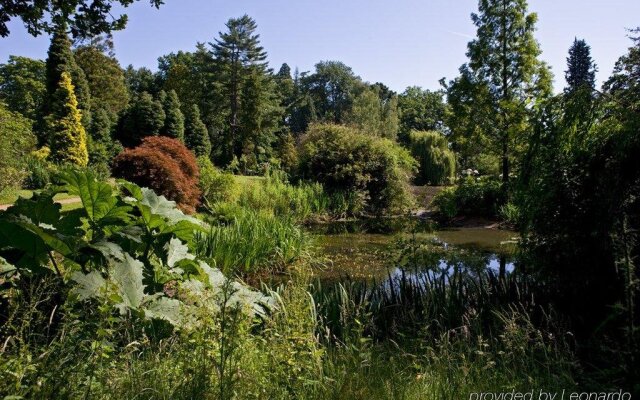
502 81
246 95
139 80
196 136
60 59
275 196
105 80
174 119
85 18
39 173
22 85
376 171
374 115
102 147
143 117
421 110
472 197
216 186
16 141
67 137
252 242
437 161
581 70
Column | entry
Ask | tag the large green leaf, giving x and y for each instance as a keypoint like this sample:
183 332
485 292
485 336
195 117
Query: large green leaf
100 205
91 285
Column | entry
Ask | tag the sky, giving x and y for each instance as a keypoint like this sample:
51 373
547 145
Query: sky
400 43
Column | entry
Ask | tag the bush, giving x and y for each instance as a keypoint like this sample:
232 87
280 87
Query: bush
473 197
16 141
38 173
374 171
437 161
164 165
216 186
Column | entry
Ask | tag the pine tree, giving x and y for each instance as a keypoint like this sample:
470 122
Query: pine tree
60 59
196 136
503 77
68 142
239 60
144 117
174 119
581 70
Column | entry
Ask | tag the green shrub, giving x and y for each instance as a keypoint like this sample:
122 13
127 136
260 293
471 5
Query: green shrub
473 197
375 171
216 186
38 173
16 141
437 161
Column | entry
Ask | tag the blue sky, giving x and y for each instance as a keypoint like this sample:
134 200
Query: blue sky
400 42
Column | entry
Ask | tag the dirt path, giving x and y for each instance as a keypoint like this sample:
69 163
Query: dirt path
70 200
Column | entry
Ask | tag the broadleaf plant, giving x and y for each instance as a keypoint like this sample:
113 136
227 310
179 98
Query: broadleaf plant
125 246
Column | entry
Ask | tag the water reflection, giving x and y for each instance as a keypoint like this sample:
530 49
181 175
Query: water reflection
386 249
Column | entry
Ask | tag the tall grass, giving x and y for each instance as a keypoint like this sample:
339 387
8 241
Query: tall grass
252 242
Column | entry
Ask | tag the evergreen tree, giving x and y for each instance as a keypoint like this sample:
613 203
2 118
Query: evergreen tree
102 147
174 119
140 80
144 117
503 78
196 136
68 142
60 59
246 93
581 70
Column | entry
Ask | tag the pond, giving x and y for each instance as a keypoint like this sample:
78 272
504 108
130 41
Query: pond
376 250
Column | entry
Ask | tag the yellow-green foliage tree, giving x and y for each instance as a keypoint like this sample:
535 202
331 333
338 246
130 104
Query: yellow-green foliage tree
68 141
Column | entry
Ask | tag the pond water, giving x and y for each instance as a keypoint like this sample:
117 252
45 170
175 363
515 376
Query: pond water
388 248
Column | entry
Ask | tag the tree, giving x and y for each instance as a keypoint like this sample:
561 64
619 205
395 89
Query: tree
60 59
332 88
174 119
102 147
86 18
437 161
16 141
196 136
144 117
241 71
505 74
22 85
105 79
140 80
68 142
374 113
421 110
581 70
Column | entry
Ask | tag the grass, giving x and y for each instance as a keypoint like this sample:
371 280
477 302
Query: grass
253 242
10 196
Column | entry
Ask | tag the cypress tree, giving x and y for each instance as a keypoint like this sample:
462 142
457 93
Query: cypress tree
60 59
195 132
174 119
581 70
144 117
68 142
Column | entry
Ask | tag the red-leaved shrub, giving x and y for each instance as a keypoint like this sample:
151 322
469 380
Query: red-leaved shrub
164 165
